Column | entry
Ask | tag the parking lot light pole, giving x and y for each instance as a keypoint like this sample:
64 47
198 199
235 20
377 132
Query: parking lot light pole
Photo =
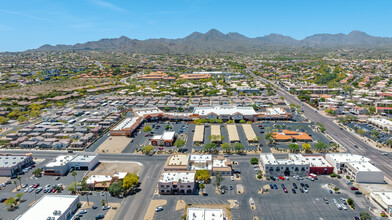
87 198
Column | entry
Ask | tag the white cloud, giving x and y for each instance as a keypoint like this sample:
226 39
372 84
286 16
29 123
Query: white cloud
108 5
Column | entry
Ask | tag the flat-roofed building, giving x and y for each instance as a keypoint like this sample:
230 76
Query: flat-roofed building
195 76
233 133
126 127
200 162
205 214
198 136
318 165
274 114
58 166
166 139
11 164
283 167
221 164
364 172
383 200
249 133
339 160
58 207
177 183
84 162
225 113
177 162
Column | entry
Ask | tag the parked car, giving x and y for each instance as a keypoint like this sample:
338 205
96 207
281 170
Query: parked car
300 189
271 186
326 201
281 177
158 209
295 186
83 211
293 190
231 187
306 190
24 185
57 178
358 193
3 200
330 191
307 186
94 207
275 186
100 216
105 207
354 188
343 201
285 190
302 185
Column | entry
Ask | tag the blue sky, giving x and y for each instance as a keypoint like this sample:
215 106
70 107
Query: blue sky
27 24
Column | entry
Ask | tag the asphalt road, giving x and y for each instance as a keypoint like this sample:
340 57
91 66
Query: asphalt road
343 137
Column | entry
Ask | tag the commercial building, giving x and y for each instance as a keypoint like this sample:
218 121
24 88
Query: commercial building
195 76
318 164
126 127
58 207
11 164
222 165
177 183
200 162
357 167
383 200
156 76
284 167
364 172
96 181
166 139
287 135
62 164
205 214
198 136
177 162
250 90
274 114
381 123
226 113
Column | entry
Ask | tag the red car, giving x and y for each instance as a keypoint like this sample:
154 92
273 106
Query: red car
36 185
285 190
354 188
281 177
260 126
53 190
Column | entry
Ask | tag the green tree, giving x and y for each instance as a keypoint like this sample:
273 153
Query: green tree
365 216
197 121
74 173
238 147
371 110
3 120
10 202
130 181
116 188
242 121
209 147
22 119
147 128
218 179
320 146
254 161
147 149
202 175
226 147
293 147
19 196
179 144
37 172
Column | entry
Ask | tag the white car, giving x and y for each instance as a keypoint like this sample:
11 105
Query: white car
158 209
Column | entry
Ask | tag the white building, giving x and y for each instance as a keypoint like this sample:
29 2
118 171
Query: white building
165 139
357 167
200 162
383 200
58 207
339 160
290 166
226 113
10 164
177 183
364 172
61 164
205 214
381 123
84 162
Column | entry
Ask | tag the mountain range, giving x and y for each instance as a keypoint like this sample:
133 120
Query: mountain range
216 41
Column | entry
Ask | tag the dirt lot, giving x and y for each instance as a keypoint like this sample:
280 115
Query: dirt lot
106 168
151 209
112 212
4 179
113 145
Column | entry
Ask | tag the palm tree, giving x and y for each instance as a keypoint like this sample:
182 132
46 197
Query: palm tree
20 180
104 186
16 186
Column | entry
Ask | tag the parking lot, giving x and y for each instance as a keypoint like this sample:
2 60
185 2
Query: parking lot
276 204
30 196
370 131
